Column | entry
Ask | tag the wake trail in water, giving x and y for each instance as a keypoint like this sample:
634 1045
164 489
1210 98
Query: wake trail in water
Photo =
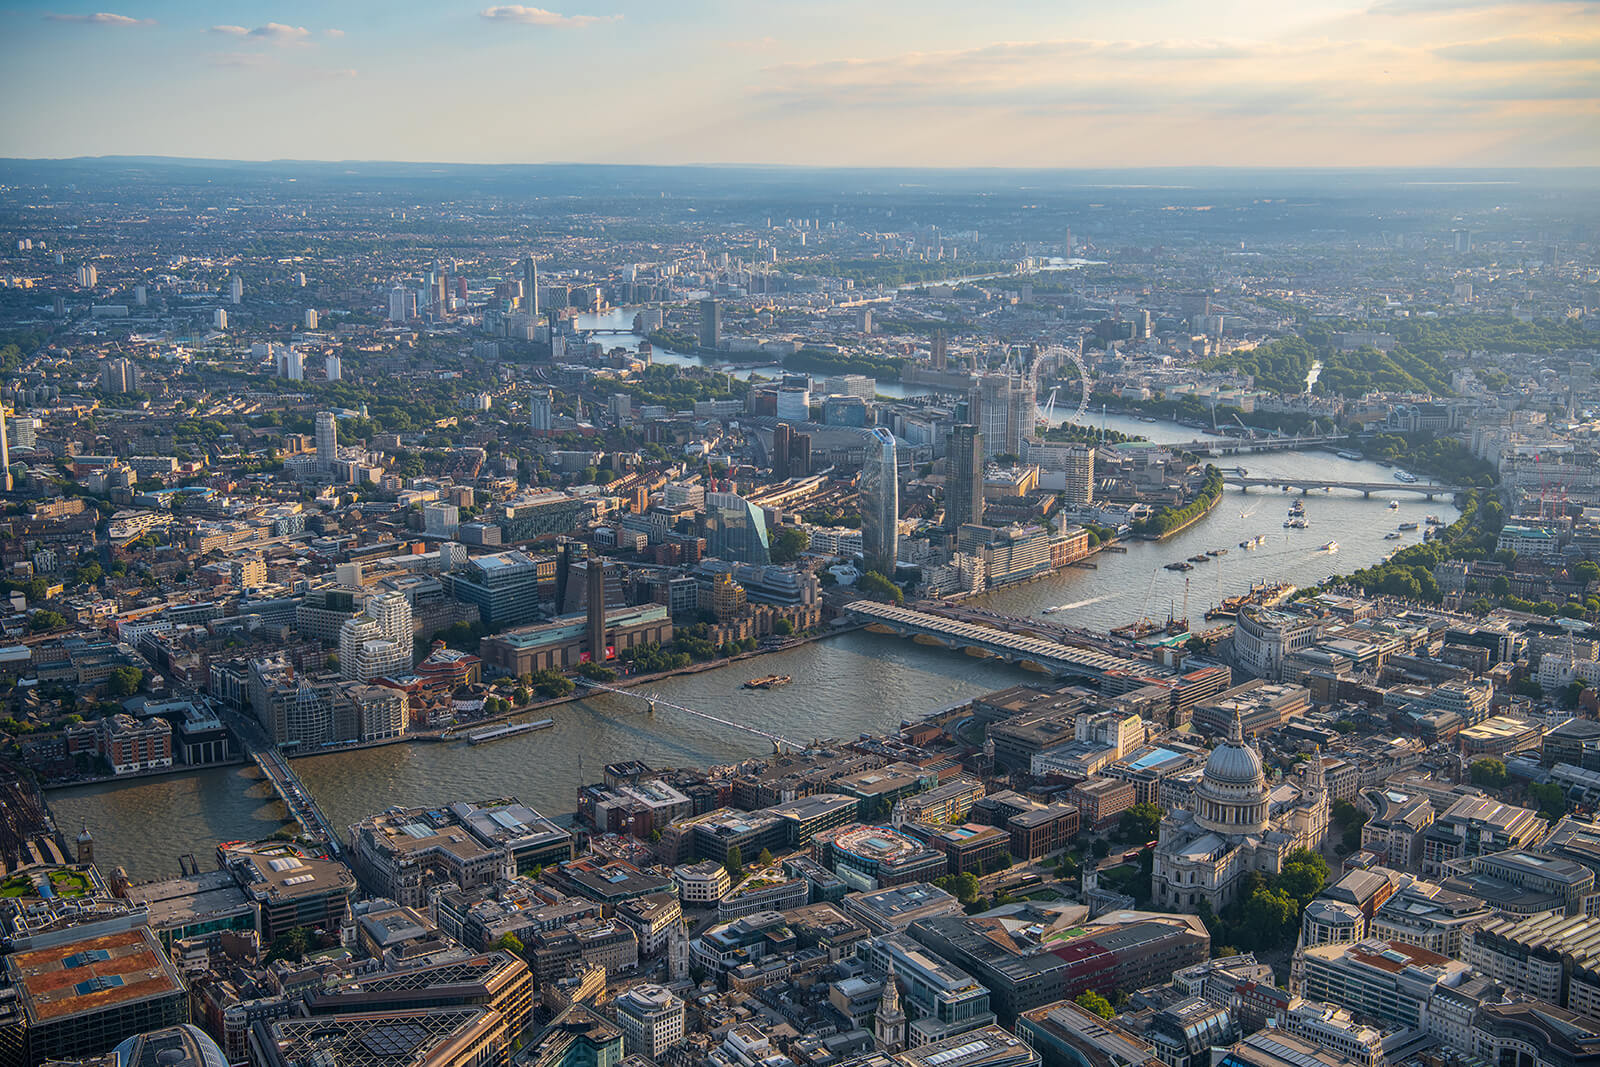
1085 603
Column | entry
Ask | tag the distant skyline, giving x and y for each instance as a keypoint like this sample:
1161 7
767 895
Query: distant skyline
1014 83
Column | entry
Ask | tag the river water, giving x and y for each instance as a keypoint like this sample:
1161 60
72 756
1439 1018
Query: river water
843 686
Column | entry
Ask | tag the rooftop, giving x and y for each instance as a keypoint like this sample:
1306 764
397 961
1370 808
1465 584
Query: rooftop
91 975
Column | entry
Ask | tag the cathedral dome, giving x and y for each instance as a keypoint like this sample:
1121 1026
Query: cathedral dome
1231 797
1234 763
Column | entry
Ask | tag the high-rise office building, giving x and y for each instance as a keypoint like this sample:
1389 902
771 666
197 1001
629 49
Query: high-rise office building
939 355
327 437
236 289
219 318
963 478
736 529
333 367
397 304
541 411
879 491
799 455
710 323
119 376
781 436
594 576
5 452
311 318
441 520
530 287
88 276
1003 408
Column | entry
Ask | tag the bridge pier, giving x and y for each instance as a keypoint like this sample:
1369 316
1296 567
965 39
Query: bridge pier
1366 494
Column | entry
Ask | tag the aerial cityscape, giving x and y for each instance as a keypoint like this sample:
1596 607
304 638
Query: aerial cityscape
854 607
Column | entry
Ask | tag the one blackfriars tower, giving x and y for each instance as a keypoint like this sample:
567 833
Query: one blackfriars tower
880 503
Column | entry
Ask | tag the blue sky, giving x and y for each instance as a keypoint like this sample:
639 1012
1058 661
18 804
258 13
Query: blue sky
862 83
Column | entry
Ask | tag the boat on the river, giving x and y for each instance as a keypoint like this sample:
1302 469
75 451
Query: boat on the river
1394 505
1181 565
1297 508
771 681
1392 535
1255 542
1331 546
1434 520
510 729
1263 595
1214 552
1201 558
1405 476
1408 526
1346 454
1295 524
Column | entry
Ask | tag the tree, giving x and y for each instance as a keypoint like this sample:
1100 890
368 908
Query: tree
1489 773
1094 1002
47 620
1101 848
125 681
1570 694
790 542
1140 822
1551 798
765 859
1267 914
966 887
290 945
877 587
734 864
1303 876
511 943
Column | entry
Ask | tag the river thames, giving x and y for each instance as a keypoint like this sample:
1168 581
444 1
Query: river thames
843 686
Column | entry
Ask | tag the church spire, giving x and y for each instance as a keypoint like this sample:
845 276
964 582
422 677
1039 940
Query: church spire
889 1002
1236 729
889 1025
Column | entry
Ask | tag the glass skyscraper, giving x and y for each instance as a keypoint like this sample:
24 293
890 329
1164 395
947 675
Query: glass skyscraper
880 503
736 529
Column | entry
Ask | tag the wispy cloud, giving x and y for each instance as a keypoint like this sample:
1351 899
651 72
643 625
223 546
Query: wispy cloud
272 33
1525 48
101 18
538 16
1458 7
334 33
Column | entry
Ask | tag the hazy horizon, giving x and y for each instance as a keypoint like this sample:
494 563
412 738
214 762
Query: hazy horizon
1025 84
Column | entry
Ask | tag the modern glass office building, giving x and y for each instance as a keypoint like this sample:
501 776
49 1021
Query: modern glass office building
880 503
